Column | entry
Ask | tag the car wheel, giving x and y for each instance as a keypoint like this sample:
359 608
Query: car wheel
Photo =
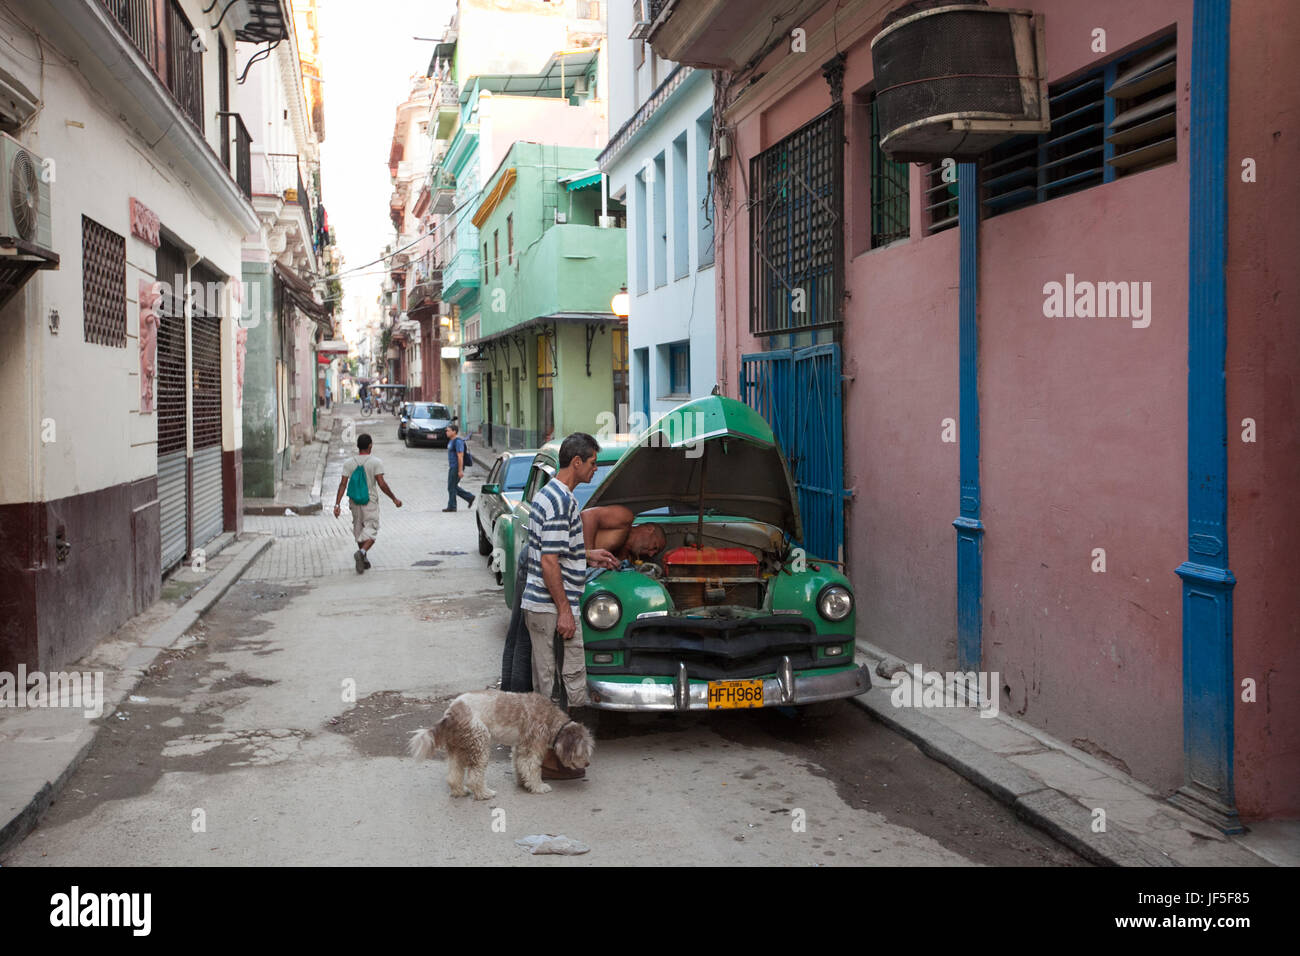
408 442
484 545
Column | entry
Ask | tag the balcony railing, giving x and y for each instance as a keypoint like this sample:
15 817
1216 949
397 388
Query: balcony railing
180 66
136 17
184 65
243 170
286 181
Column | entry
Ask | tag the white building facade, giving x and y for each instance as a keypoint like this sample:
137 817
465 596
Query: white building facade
118 374
658 166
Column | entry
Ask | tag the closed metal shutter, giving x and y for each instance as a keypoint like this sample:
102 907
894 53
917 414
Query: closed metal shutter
207 494
205 356
171 498
171 408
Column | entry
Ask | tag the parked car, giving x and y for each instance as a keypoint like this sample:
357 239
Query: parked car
500 493
426 424
403 416
731 613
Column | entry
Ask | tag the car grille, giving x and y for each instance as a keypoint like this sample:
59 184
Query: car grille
714 649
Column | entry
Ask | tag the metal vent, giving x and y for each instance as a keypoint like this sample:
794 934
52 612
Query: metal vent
957 80
103 284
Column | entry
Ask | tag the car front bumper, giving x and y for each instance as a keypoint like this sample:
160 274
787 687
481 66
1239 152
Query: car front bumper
784 690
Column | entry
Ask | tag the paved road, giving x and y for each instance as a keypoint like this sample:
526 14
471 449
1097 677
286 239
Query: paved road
247 752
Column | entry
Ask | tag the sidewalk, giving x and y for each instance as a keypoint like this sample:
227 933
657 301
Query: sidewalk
299 489
40 747
1060 789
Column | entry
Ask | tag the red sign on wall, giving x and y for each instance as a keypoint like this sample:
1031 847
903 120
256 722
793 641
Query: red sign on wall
144 223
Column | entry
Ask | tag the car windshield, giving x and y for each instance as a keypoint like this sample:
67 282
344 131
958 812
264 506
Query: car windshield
429 411
585 490
517 473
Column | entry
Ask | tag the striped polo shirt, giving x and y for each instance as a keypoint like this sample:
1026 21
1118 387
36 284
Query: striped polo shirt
555 528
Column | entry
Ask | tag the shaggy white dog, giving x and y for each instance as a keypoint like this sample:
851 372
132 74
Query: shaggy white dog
529 723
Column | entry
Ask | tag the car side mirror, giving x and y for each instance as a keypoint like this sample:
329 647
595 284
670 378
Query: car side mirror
491 489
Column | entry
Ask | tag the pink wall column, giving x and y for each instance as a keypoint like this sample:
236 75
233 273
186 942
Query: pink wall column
1263 369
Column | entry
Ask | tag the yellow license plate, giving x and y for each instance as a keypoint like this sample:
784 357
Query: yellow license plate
725 694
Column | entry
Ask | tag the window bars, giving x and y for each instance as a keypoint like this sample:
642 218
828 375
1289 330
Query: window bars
889 198
103 284
796 233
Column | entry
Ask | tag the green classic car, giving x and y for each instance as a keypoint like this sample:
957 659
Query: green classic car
730 614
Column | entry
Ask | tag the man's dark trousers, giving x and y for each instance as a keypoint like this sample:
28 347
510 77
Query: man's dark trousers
454 489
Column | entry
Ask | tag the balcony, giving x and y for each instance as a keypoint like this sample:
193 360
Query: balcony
461 276
721 34
243 171
446 109
286 182
442 184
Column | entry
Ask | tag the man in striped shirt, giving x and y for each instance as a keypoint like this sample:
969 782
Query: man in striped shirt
557 573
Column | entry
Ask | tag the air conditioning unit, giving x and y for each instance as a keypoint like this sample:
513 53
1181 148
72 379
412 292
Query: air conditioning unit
640 20
26 194
956 80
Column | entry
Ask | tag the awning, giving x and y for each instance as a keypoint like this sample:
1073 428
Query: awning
590 177
299 292
333 347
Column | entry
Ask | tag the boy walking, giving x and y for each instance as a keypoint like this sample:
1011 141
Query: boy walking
456 468
363 479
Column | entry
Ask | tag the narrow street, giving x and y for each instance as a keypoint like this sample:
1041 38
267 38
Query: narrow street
248 724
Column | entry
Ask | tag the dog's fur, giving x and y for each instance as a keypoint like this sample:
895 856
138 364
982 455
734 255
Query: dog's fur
527 722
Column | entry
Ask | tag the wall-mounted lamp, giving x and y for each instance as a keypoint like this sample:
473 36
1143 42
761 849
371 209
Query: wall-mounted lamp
621 304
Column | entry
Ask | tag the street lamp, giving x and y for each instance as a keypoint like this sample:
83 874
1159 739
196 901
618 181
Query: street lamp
620 304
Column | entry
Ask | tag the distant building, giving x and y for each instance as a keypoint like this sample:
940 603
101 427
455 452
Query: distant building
284 383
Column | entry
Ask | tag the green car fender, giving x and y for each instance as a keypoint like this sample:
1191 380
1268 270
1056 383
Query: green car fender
636 592
798 591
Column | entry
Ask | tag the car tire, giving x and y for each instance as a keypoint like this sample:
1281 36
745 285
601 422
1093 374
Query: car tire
484 545
408 442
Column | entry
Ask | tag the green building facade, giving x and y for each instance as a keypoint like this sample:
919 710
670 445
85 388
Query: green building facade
549 356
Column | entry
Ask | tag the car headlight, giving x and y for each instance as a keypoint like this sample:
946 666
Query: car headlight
603 611
835 603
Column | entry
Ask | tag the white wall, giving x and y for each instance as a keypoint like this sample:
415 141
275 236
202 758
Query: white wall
682 309
91 393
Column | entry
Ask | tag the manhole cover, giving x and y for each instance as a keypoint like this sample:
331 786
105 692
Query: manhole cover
449 552
426 564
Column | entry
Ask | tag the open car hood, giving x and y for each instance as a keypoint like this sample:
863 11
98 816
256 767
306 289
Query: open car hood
716 445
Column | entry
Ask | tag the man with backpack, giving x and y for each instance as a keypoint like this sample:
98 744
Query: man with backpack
363 479
457 458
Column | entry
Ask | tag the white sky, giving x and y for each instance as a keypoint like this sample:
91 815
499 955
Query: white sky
368 57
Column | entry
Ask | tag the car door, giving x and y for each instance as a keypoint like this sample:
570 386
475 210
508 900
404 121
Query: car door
513 526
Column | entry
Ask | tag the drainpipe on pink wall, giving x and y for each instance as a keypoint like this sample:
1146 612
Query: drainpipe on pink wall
1209 689
970 530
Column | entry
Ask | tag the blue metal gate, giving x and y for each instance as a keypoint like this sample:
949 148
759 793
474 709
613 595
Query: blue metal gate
798 393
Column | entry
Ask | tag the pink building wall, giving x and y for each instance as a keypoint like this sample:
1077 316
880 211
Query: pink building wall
1083 421
1263 369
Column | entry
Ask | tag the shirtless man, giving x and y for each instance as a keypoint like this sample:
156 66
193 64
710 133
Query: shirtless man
610 527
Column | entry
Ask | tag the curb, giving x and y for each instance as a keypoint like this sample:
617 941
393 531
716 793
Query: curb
1057 814
133 672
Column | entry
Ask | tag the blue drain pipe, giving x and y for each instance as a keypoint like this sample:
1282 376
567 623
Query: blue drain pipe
1208 683
970 530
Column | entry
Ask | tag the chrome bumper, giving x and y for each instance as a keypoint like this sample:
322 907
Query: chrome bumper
784 690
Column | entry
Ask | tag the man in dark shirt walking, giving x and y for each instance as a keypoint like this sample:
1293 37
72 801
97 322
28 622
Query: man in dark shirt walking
456 468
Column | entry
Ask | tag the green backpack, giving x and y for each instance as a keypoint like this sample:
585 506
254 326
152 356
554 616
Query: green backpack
358 490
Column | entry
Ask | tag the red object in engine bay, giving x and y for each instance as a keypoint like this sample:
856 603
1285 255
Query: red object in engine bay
712 557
